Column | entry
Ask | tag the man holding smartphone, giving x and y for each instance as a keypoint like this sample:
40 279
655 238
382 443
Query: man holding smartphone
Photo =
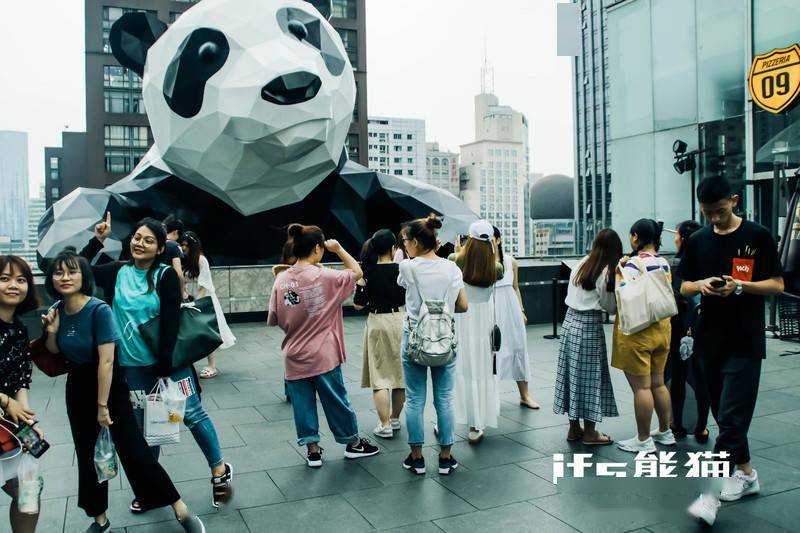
733 263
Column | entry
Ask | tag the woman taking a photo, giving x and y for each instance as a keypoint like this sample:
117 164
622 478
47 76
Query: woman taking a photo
643 355
137 291
583 389
17 297
379 292
306 303
477 398
197 274
82 328
427 276
682 323
512 358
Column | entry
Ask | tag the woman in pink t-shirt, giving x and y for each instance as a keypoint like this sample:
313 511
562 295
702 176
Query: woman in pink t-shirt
306 303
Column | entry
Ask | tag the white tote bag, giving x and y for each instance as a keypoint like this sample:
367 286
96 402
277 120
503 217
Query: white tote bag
645 300
158 428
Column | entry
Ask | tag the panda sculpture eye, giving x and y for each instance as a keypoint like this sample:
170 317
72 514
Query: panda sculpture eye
208 52
298 29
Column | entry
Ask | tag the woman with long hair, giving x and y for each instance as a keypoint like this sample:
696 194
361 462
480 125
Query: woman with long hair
477 401
82 328
642 356
197 275
378 291
512 358
17 297
680 369
583 389
306 303
427 276
138 291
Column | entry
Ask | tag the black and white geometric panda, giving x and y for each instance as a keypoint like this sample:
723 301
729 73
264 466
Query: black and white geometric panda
250 102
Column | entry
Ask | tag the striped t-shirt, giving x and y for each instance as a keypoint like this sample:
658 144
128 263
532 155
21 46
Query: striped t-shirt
635 266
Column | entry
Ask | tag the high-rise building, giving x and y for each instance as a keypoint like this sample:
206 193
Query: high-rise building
494 171
117 129
397 146
441 168
592 159
14 184
36 209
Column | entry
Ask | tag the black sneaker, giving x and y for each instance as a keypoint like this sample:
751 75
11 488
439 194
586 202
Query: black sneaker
415 465
361 448
314 459
97 528
446 466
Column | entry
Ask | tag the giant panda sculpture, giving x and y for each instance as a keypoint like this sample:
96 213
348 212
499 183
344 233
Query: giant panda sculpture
250 102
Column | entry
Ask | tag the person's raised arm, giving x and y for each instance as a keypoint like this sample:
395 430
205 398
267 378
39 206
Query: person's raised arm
333 246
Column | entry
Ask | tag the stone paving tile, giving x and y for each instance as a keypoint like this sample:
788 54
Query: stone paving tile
504 484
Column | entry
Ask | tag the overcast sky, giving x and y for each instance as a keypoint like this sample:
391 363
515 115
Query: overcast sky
424 61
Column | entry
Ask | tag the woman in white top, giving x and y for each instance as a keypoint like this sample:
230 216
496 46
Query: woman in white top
197 274
583 384
477 397
512 358
427 276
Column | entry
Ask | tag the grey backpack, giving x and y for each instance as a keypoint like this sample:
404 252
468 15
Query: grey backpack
433 340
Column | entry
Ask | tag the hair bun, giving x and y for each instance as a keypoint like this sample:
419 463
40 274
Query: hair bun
433 222
295 230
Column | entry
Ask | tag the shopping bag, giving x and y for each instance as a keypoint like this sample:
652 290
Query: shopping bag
158 430
174 401
105 456
30 484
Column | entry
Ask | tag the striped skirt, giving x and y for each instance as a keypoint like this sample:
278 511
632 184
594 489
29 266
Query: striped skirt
583 384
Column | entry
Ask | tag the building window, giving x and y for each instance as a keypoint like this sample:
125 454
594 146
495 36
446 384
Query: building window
398 172
409 148
410 137
55 171
410 172
410 160
397 136
398 160
352 146
398 148
350 41
125 146
445 162
110 16
54 193
344 9
122 90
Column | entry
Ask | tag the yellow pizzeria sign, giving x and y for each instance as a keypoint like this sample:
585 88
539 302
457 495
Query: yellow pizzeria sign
775 78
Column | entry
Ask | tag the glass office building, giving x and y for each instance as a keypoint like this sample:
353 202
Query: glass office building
678 70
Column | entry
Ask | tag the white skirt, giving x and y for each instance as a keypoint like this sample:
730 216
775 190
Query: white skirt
477 400
512 358
228 338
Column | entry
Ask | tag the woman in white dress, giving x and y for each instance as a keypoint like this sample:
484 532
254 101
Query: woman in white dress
477 399
512 357
199 284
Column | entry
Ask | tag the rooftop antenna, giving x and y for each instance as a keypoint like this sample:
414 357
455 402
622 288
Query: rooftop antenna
487 71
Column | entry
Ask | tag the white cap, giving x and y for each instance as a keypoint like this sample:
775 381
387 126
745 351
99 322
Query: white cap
481 230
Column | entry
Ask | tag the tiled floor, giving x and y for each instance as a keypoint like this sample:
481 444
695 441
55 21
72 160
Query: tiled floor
504 484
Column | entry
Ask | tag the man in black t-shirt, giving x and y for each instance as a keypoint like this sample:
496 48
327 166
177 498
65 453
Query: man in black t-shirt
734 265
172 250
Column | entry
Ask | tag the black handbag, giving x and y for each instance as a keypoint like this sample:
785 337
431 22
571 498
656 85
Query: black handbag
198 332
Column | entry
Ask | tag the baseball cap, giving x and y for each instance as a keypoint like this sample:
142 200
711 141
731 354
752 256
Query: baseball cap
481 230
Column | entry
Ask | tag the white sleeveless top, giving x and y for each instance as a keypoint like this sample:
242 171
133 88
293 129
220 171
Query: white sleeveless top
508 272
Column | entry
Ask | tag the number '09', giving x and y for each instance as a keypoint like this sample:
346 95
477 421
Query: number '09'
768 84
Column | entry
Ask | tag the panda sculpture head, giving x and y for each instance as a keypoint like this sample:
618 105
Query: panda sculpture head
249 100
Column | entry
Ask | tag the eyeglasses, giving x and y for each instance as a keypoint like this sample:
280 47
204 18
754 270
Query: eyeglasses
65 274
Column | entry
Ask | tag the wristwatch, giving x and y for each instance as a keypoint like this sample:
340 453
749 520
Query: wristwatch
739 287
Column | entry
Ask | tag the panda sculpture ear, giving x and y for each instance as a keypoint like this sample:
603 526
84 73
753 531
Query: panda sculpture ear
323 6
132 35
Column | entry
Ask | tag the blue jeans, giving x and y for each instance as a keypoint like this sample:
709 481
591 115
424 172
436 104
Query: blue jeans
142 379
443 381
333 397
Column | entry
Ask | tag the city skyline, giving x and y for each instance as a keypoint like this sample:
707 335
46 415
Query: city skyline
43 107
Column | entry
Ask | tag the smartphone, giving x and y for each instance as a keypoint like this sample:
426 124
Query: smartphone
31 440
718 283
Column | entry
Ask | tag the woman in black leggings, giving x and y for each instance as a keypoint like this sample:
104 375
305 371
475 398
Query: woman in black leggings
678 368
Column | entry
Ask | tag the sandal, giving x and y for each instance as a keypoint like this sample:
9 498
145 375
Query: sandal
702 437
208 373
572 437
136 506
533 405
222 487
602 440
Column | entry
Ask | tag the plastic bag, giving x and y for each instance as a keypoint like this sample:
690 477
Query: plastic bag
174 401
30 484
105 456
158 426
686 348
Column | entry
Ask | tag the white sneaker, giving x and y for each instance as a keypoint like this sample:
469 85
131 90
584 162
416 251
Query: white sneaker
739 485
475 435
705 508
635 445
666 438
395 423
383 432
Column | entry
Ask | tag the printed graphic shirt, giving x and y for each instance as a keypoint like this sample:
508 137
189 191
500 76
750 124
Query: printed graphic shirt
732 326
306 303
15 358
81 333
